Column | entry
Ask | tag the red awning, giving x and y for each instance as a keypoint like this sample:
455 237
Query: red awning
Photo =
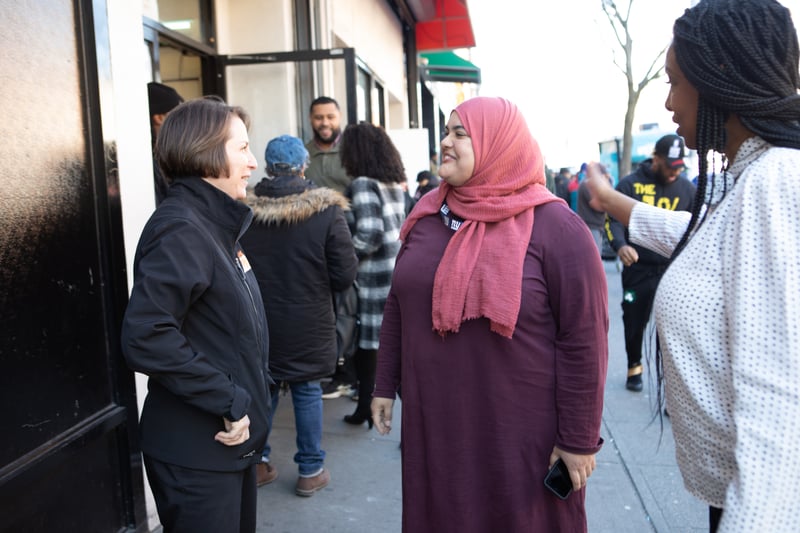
450 28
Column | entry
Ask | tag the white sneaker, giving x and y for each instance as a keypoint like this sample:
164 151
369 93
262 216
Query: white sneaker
334 389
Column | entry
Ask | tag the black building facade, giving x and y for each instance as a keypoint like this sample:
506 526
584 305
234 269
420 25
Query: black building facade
68 459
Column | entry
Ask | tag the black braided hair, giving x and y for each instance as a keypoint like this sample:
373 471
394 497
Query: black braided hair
742 57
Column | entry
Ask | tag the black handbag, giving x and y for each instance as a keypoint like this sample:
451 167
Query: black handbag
347 323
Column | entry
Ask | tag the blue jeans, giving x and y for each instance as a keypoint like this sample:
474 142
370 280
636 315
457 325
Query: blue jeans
307 400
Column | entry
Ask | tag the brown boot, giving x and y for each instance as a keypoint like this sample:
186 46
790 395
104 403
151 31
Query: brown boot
307 486
265 474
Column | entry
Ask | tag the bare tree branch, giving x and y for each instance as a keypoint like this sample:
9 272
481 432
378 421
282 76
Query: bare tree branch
651 75
612 16
620 26
628 14
620 67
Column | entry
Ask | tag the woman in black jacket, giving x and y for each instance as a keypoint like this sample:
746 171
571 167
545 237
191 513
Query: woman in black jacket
301 252
195 325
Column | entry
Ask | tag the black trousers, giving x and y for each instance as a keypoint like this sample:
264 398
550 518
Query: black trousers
714 516
190 501
639 284
366 362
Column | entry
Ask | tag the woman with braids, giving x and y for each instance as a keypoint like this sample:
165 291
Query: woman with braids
727 309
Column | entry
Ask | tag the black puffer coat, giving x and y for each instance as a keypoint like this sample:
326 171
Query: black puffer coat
301 251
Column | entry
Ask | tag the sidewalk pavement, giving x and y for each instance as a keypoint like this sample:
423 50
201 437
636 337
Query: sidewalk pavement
636 487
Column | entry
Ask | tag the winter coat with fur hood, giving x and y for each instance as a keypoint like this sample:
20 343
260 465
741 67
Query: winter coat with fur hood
301 252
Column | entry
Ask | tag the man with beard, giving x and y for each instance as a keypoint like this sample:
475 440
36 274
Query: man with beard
657 182
325 169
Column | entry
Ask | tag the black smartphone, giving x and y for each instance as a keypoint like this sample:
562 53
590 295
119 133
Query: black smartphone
558 481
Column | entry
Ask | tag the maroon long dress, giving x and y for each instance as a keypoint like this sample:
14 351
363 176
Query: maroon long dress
481 413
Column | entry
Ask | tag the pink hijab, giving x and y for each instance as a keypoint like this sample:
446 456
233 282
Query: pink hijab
480 273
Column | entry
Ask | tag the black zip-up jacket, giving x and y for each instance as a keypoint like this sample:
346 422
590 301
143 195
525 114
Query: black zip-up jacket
301 251
195 325
643 185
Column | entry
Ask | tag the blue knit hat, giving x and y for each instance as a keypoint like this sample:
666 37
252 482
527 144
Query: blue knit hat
285 156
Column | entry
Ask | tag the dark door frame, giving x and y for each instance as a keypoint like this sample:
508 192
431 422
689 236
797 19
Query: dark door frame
121 416
348 55
213 65
153 30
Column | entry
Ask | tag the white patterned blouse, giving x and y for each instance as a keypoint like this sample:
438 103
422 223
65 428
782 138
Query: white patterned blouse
728 317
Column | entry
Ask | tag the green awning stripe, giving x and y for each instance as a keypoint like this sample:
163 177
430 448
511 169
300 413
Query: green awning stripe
448 67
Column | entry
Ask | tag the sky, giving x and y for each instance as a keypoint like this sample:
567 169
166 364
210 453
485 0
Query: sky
555 60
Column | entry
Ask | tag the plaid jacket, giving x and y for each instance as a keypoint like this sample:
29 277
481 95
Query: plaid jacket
378 211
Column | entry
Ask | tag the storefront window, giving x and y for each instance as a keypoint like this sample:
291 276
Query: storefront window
183 16
364 96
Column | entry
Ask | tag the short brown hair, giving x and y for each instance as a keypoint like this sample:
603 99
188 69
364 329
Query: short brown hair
191 143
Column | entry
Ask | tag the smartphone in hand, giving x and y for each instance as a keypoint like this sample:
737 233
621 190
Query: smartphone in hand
558 481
